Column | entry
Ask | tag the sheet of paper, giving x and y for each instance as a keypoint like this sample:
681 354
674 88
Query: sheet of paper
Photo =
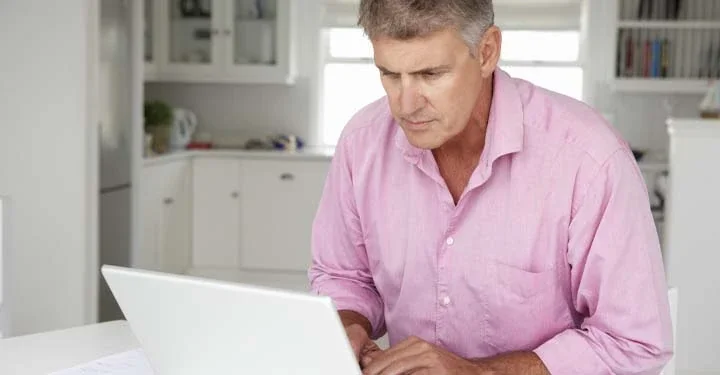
132 362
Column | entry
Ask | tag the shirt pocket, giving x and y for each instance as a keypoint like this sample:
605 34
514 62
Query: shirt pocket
519 284
525 308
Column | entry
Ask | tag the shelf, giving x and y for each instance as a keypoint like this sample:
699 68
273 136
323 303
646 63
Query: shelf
661 86
649 24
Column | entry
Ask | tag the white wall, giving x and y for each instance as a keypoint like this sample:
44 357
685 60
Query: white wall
48 165
244 108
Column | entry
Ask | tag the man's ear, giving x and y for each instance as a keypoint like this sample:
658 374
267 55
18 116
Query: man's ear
488 51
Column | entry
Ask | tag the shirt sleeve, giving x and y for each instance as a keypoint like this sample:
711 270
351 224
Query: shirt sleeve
617 281
339 266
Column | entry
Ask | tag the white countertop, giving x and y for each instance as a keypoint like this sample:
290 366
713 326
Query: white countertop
43 353
319 154
694 127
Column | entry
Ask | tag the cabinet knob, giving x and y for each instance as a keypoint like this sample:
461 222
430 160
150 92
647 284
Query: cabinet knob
287 177
215 31
227 32
168 201
235 194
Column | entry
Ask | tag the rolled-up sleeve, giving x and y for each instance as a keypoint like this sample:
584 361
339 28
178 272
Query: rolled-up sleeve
339 267
617 281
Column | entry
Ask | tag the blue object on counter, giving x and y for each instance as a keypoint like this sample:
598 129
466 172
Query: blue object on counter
287 142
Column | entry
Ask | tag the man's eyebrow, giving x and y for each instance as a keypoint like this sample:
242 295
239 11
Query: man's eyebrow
420 71
384 69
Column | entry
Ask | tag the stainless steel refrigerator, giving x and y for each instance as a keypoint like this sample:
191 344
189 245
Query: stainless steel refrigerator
115 143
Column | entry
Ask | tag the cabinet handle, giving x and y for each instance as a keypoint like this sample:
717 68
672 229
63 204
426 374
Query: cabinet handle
235 194
168 201
287 177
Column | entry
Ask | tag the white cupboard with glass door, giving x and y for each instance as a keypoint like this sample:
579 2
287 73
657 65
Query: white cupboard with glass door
220 41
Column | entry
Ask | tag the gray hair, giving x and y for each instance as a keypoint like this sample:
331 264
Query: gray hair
406 19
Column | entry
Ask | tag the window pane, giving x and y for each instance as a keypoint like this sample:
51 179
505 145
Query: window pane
349 43
564 80
540 45
347 88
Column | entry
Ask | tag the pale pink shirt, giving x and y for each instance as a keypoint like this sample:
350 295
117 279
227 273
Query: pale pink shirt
551 248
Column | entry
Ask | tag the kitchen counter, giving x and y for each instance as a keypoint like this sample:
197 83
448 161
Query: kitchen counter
320 154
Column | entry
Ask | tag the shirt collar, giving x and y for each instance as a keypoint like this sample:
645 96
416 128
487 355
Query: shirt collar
505 129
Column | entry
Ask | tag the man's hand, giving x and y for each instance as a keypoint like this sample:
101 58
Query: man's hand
417 357
358 329
360 341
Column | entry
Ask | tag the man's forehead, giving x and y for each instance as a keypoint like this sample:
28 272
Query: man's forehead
414 54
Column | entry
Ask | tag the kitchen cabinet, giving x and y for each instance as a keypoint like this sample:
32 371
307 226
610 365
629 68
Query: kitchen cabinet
235 217
692 241
220 41
279 200
166 206
216 212
150 30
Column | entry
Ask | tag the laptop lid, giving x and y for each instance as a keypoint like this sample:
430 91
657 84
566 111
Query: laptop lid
189 325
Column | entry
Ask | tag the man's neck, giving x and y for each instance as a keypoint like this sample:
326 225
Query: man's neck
458 158
469 144
466 146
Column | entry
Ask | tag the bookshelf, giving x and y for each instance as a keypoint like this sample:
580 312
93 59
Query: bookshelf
667 46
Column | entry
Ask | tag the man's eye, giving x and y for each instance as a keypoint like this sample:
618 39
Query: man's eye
390 75
431 74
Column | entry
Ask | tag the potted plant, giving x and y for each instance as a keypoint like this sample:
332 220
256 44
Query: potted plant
158 119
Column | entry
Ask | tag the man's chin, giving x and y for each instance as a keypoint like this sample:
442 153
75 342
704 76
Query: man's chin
423 141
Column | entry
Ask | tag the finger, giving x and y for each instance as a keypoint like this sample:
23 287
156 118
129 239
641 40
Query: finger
371 346
403 345
384 359
368 357
408 365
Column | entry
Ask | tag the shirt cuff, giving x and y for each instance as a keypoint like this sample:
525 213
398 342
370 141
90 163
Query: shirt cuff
570 353
347 295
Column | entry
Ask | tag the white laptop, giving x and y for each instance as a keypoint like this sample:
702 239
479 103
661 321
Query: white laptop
188 325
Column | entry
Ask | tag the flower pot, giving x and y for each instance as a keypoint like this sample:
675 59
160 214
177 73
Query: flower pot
148 145
160 138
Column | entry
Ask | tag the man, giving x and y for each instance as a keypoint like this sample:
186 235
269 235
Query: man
487 225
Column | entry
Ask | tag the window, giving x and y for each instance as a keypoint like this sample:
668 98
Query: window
546 58
350 79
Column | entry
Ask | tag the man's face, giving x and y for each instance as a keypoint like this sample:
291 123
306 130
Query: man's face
432 83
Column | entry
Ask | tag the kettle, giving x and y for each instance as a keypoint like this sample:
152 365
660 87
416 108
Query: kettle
182 129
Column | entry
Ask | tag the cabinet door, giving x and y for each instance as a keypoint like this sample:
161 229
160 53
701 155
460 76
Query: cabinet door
166 217
216 212
190 38
151 207
279 200
176 221
259 41
151 31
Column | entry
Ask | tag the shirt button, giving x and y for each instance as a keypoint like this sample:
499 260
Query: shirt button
445 301
450 241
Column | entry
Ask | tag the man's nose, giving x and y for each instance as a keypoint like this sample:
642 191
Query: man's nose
411 99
